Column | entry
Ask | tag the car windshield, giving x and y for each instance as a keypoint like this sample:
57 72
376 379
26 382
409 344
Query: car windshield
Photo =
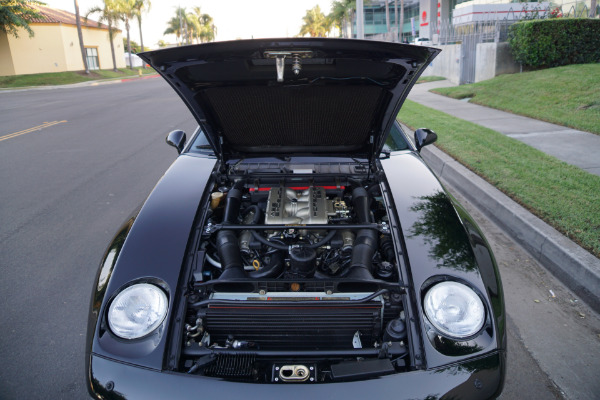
394 142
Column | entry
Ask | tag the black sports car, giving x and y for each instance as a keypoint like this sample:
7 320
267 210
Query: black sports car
298 247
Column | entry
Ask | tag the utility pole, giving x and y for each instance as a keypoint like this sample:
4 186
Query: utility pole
360 20
396 19
80 34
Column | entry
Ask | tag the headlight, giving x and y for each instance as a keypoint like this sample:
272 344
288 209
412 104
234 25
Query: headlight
137 311
454 309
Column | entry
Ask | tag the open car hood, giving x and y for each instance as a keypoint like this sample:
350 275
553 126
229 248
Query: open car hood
295 96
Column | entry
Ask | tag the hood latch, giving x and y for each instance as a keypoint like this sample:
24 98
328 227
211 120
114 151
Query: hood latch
280 56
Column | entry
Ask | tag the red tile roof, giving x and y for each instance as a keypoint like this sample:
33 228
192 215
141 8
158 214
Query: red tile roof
56 16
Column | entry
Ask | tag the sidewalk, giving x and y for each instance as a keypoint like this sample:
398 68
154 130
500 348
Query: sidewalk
574 266
574 147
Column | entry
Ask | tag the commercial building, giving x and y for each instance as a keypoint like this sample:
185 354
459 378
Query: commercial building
424 18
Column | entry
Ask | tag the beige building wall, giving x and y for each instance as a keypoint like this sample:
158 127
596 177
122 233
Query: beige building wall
6 64
55 48
41 53
92 37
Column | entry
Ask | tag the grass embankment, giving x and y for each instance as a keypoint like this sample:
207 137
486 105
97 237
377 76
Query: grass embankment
65 78
424 79
568 96
564 196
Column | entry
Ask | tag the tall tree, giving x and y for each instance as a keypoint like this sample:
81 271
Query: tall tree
15 14
593 5
342 13
108 14
126 11
80 34
193 26
177 26
174 27
141 6
314 23
207 26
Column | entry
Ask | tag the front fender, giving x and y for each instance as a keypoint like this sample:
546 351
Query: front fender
150 246
443 242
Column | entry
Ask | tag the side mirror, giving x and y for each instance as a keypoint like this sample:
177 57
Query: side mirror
177 140
423 137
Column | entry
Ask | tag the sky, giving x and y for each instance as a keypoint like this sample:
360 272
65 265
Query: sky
234 19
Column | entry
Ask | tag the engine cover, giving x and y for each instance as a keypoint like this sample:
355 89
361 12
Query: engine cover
288 206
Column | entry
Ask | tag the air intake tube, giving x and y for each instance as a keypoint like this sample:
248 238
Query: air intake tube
227 241
365 243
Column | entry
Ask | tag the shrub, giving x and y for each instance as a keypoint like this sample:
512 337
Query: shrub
554 42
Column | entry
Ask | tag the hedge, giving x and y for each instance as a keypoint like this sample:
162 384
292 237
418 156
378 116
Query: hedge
554 42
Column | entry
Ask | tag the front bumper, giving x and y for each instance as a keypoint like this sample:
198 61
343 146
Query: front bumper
480 378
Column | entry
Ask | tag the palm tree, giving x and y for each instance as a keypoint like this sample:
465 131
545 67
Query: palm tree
178 26
80 34
126 12
191 26
141 6
342 13
109 15
174 27
314 23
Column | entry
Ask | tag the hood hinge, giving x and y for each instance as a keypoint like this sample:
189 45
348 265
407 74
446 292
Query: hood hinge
221 157
372 156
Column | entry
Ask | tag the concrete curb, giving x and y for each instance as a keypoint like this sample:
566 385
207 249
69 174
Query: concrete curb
108 81
574 266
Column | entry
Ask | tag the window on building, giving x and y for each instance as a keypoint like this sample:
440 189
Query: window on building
91 54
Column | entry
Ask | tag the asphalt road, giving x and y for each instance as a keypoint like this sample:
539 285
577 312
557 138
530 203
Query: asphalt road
67 187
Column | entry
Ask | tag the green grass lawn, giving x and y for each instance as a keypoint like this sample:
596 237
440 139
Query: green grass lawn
424 79
564 196
568 96
64 78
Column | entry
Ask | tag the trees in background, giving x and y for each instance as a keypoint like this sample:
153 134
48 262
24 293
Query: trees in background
316 24
108 14
126 11
191 27
342 12
141 7
15 14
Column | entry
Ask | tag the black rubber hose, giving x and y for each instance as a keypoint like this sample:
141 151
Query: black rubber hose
257 214
365 243
272 270
264 241
229 254
360 198
227 241
233 204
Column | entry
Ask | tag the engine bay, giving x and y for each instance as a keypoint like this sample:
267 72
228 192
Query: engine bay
295 282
